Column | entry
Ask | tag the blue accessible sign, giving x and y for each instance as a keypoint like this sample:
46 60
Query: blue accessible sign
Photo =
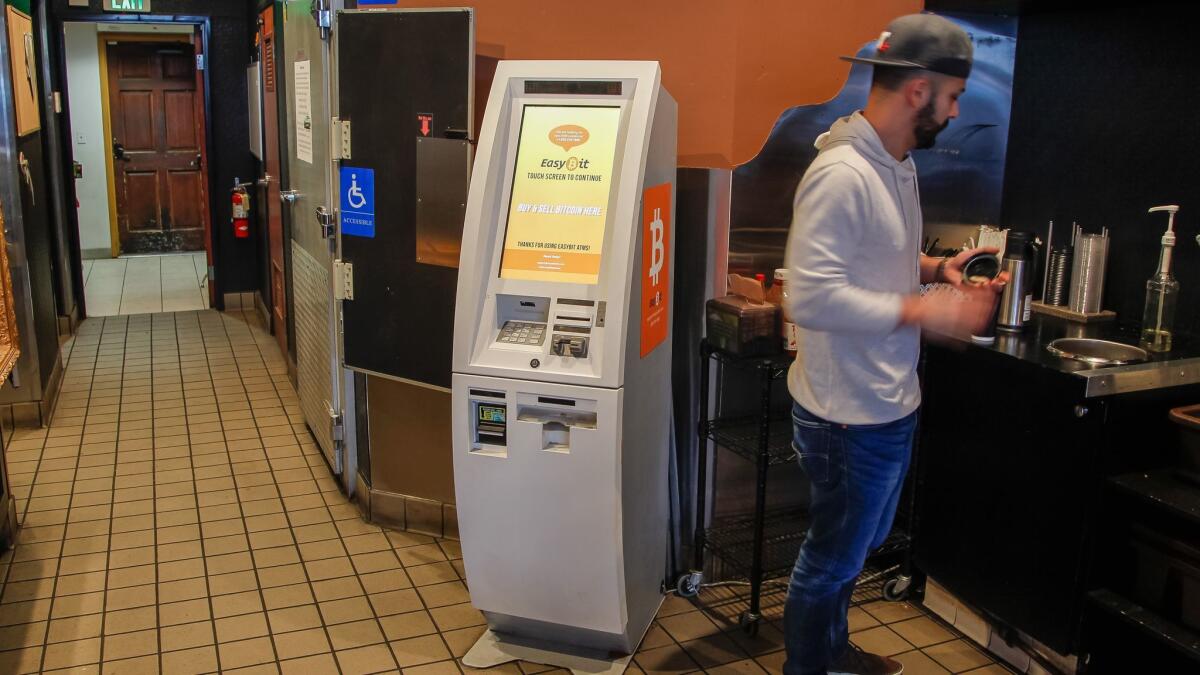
358 201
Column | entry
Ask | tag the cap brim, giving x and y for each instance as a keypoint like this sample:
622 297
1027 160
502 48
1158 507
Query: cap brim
881 62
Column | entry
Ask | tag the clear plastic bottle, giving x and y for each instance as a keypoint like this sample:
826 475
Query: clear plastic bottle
1162 291
787 328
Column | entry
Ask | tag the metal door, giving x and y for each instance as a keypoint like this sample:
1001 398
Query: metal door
405 87
306 67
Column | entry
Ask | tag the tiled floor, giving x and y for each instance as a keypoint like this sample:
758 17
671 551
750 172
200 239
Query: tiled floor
142 284
178 518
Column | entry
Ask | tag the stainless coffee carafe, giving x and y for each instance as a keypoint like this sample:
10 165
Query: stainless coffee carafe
1020 258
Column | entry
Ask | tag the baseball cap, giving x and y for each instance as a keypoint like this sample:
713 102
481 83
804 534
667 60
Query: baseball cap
924 41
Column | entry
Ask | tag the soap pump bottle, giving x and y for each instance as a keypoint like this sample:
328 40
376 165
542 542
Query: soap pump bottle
1162 292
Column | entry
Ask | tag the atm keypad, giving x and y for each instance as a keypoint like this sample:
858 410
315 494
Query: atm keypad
522 333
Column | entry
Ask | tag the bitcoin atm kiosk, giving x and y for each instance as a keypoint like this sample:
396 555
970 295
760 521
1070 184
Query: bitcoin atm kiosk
562 358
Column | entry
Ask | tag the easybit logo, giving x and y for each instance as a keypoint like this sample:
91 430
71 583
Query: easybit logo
570 163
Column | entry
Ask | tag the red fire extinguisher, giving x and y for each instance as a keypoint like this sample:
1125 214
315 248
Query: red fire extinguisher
241 211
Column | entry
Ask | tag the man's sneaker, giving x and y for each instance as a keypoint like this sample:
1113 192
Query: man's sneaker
855 661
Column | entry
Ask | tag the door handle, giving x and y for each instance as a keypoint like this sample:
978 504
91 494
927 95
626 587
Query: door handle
289 196
119 151
265 180
195 162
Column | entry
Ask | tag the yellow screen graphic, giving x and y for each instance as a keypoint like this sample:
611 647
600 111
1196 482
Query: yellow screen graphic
559 205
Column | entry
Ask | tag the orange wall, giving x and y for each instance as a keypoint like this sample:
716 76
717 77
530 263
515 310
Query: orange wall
732 65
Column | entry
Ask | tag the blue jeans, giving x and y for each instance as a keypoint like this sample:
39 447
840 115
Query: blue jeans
856 474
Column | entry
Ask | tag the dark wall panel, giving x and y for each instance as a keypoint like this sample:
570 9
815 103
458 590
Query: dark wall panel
39 253
1103 129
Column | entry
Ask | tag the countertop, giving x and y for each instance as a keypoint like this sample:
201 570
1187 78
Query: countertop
1180 366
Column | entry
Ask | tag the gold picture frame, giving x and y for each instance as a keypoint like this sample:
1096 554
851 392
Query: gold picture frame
10 344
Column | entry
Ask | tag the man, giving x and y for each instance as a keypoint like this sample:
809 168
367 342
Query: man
854 277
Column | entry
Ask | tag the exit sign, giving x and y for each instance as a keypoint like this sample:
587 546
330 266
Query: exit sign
127 5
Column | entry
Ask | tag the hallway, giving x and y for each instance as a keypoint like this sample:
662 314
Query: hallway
178 509
173 282
178 518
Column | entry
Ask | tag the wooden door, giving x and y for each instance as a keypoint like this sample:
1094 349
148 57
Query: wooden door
270 180
157 146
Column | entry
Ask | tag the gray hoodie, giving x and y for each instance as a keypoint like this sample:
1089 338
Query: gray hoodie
852 256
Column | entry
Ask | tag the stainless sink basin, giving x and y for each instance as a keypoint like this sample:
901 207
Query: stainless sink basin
1097 352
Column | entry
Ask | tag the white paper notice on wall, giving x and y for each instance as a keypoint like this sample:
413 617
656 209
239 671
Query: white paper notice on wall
304 120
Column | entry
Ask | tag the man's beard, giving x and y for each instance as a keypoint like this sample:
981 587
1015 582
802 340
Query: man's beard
927 128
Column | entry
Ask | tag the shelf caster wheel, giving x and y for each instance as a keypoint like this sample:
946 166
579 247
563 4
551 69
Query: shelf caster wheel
689 584
749 623
897 588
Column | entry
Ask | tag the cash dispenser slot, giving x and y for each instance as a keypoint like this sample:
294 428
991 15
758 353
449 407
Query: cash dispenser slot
558 419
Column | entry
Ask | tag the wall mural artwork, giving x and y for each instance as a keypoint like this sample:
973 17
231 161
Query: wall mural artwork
961 178
9 340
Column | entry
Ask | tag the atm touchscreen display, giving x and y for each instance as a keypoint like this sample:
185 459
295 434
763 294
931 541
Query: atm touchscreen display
561 182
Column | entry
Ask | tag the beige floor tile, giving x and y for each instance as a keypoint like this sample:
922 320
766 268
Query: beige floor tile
461 641
408 625
453 617
336 589
287 596
235 604
395 602
889 612
434 573
128 598
342 611
188 611
672 659
688 626
186 636
74 628
130 620
880 640
23 635
321 664
21 661
745 667
440 595
714 650
922 631
294 618
419 650
241 627
129 645
958 655
387 580
71 654
356 634
301 643
246 653
918 663
190 661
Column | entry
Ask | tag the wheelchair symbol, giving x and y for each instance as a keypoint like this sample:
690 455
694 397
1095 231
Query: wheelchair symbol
354 196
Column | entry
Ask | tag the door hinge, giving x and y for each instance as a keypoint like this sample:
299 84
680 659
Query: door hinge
341 139
343 280
323 15
326 220
199 62
337 430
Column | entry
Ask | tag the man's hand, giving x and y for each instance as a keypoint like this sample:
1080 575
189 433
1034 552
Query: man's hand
960 313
